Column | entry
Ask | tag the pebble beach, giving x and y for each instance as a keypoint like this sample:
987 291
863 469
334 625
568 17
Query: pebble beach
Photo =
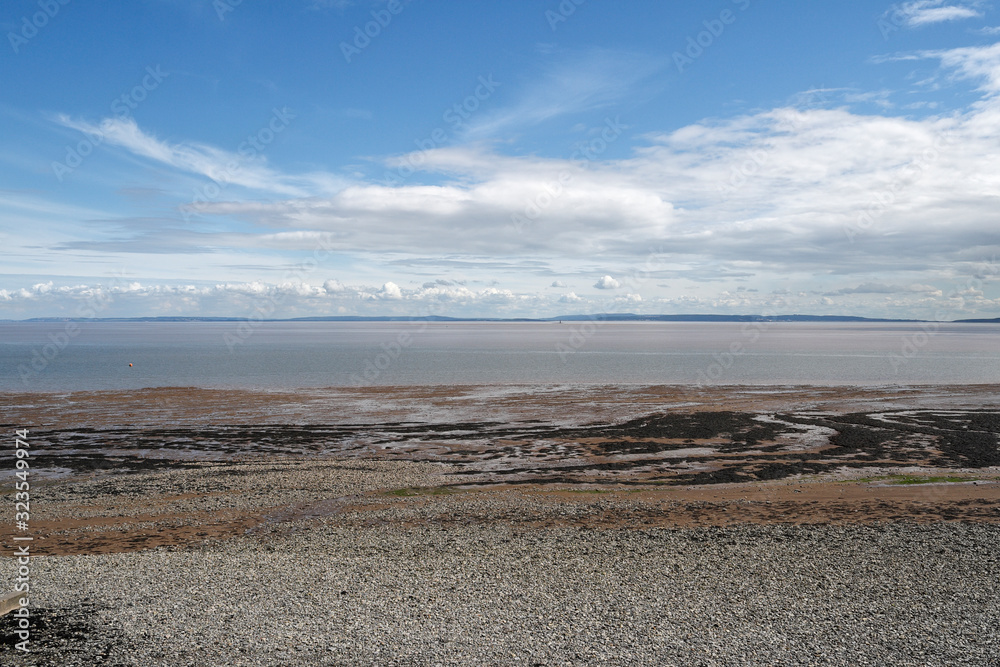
360 560
743 596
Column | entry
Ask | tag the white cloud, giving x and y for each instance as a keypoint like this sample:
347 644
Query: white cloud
474 214
925 12
607 282
980 63
390 291
809 197
334 287
128 298
871 288
245 166
578 82
882 288
790 188
786 187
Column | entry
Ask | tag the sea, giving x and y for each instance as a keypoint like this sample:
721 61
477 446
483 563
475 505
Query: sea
99 355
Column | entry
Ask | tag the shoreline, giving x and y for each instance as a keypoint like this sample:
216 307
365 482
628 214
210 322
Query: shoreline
569 403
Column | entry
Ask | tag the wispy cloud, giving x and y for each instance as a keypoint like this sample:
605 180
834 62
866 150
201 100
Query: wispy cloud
925 12
573 83
245 166
882 288
979 63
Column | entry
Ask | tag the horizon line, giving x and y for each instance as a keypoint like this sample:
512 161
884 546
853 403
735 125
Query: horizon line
689 317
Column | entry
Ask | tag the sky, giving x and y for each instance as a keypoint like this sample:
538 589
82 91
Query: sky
485 159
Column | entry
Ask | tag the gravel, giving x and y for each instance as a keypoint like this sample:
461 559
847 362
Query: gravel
318 594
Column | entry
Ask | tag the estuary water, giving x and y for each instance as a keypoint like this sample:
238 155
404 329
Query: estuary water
61 356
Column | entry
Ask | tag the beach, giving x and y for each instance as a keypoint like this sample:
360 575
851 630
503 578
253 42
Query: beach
550 525
395 333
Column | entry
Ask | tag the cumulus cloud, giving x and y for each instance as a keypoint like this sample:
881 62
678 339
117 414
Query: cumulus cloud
607 282
334 287
390 291
124 297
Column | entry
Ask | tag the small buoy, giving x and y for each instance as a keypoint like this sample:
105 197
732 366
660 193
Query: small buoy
130 365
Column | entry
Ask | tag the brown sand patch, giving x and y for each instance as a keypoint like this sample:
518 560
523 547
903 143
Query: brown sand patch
840 503
804 502
97 535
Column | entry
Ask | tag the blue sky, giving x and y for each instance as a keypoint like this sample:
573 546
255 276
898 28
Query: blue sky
347 157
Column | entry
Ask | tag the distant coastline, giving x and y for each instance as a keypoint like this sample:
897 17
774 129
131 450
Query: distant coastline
607 317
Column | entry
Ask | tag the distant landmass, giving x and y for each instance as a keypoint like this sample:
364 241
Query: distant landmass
607 317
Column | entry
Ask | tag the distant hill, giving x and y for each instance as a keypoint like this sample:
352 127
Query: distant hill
630 317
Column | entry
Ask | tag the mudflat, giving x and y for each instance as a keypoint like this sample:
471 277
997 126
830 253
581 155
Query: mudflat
617 456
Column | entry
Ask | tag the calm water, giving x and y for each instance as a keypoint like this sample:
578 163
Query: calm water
44 357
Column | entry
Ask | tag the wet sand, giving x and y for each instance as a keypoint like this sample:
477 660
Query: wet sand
557 404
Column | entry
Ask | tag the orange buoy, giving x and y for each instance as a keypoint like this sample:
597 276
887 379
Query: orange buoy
130 365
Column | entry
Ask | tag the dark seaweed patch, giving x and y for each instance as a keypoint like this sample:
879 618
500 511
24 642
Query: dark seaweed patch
971 450
723 476
783 470
868 440
985 421
96 462
740 428
70 636
698 425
